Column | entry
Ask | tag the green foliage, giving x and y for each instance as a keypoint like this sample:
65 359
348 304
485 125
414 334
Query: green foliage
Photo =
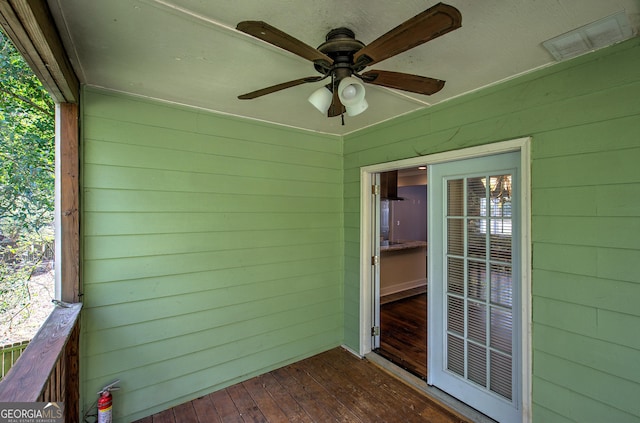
27 160
27 169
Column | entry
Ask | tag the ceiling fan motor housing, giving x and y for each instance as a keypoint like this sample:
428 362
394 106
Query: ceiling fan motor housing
340 45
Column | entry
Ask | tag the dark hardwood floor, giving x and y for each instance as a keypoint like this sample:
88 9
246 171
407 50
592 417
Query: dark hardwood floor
403 333
329 387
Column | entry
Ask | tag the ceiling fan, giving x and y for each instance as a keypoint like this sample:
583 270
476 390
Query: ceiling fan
341 56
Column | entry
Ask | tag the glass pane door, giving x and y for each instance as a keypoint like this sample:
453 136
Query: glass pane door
479 293
475 287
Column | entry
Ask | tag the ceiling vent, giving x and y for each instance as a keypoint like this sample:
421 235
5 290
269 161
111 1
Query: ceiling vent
601 33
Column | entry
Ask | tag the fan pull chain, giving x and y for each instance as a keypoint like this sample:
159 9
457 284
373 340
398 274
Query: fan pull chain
342 117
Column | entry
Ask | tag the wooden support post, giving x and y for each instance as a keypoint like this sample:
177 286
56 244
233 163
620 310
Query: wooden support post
68 244
69 202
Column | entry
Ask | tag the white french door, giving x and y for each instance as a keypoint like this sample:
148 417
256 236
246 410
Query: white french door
475 283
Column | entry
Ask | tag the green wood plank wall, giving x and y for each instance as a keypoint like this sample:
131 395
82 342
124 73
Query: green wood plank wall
212 250
584 119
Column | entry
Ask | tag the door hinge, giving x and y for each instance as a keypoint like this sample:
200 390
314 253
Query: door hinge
375 189
375 260
375 331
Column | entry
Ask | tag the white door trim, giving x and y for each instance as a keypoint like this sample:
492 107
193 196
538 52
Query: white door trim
523 145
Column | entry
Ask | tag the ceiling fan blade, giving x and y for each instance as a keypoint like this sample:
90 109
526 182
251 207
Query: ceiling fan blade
425 26
278 87
403 81
272 35
336 108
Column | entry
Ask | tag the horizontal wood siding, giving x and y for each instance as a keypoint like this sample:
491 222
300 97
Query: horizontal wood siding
212 250
584 119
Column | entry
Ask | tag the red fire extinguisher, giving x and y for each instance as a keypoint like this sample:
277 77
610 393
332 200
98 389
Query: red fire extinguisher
105 403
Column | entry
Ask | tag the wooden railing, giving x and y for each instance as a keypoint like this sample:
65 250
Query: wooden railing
48 368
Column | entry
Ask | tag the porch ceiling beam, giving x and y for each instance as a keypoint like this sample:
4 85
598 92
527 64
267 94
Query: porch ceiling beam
30 26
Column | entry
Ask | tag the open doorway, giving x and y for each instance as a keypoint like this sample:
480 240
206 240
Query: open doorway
403 269
490 231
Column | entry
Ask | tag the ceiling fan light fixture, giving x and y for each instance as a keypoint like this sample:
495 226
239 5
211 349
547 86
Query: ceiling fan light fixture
358 108
321 99
351 93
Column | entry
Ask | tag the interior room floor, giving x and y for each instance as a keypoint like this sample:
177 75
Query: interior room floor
403 333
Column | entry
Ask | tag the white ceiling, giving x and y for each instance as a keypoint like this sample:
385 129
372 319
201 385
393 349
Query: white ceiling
188 51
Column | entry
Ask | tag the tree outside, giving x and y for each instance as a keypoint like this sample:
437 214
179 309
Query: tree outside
27 169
